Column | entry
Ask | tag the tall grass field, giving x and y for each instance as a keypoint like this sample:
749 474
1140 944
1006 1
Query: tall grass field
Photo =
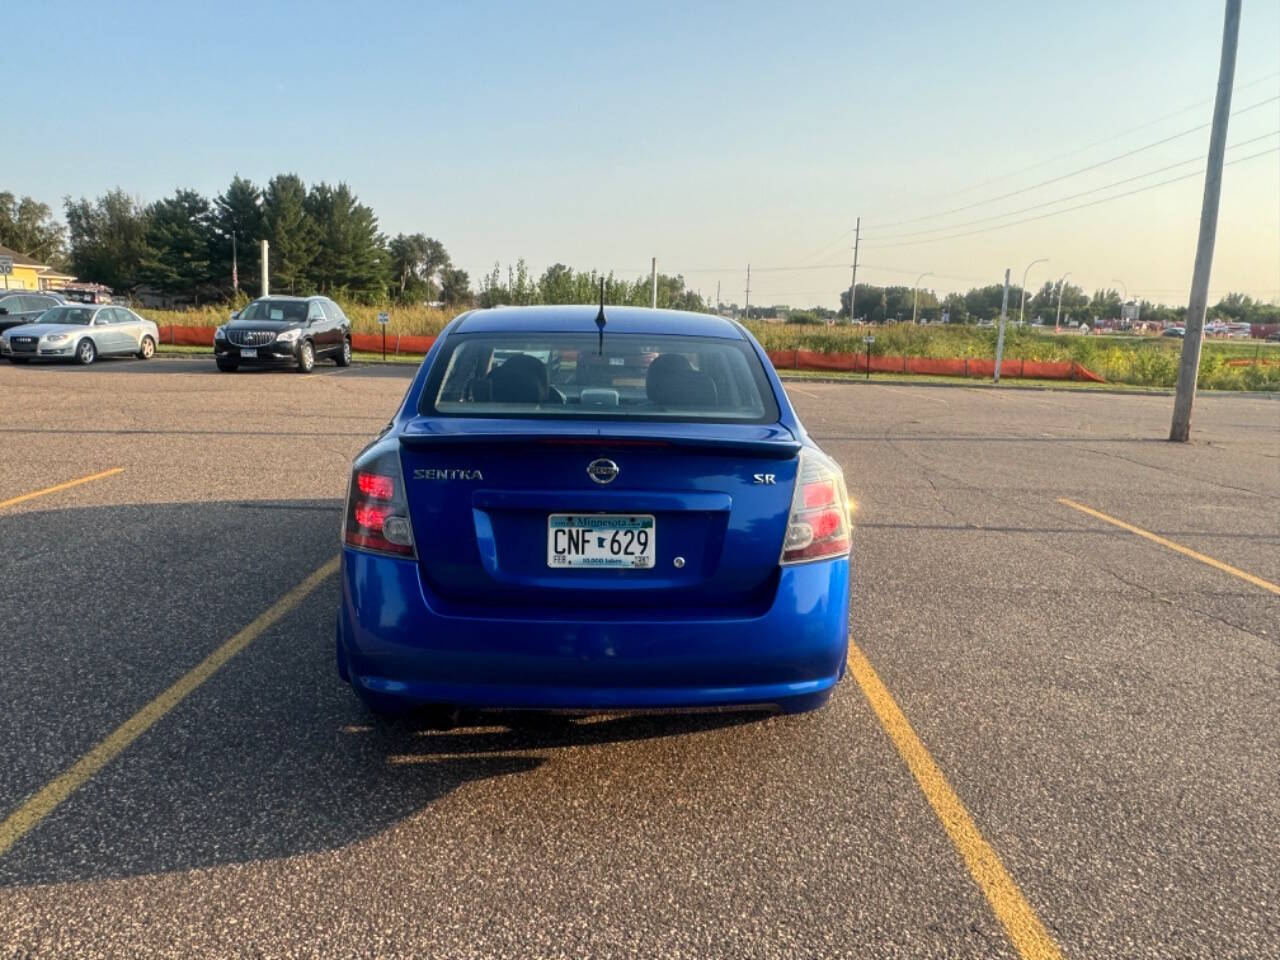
1139 360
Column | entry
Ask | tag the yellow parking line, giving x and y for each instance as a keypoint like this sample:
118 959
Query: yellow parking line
1176 547
39 805
1025 930
60 486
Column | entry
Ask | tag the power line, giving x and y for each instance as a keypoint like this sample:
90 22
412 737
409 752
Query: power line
1081 206
1089 146
839 238
1074 173
1074 196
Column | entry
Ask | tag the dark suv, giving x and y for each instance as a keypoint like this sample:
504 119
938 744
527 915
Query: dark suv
19 307
284 330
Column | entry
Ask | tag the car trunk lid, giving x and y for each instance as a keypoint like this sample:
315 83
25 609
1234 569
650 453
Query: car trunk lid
481 493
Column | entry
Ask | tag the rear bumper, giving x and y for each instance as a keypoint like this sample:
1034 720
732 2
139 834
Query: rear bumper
391 643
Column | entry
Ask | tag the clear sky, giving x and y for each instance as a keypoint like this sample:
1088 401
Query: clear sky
708 135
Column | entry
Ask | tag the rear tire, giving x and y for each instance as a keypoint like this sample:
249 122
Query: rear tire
306 357
86 352
147 350
343 359
226 366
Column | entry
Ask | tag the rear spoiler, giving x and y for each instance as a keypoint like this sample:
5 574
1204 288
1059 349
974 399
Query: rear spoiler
767 441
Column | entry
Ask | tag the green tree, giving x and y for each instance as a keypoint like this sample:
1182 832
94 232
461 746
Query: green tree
558 285
879 304
1045 303
455 287
238 213
292 235
1242 308
352 256
178 242
672 293
415 260
108 239
1103 305
953 304
27 226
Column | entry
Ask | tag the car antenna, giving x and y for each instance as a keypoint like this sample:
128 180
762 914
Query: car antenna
600 320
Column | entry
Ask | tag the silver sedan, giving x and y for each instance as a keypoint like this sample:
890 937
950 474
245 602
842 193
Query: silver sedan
81 332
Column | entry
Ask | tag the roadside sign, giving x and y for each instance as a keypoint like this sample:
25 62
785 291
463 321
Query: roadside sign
383 319
868 340
6 265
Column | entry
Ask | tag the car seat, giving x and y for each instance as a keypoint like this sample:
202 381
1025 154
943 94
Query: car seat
671 381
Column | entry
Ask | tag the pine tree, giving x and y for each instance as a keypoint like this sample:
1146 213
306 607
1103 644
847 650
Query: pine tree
292 233
235 212
178 242
353 256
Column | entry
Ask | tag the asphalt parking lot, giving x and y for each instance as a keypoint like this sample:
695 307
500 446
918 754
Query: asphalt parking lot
1094 709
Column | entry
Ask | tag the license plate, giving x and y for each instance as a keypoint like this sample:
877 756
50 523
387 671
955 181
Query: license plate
249 352
602 540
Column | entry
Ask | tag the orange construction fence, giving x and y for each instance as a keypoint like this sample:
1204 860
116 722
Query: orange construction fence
782 359
367 342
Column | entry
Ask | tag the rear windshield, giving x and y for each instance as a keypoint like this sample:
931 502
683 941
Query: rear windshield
570 375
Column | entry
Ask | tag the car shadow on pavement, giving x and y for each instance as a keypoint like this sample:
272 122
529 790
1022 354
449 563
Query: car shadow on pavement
273 757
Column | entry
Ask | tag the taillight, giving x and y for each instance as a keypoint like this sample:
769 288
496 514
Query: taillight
377 517
818 527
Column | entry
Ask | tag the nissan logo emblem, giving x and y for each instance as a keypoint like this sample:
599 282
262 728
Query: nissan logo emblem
602 470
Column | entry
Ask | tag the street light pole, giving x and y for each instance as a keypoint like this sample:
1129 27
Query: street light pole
1023 305
1062 285
915 304
1124 298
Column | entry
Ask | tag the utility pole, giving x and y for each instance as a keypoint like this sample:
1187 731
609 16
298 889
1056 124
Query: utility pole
1004 309
1023 306
747 314
265 286
853 281
1184 399
1062 285
717 298
653 282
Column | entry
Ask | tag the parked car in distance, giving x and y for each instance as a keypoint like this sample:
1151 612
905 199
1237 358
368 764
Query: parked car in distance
1174 332
280 331
1239 331
1273 337
81 332
653 529
24 306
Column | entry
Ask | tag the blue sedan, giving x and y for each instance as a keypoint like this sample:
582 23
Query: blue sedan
579 508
